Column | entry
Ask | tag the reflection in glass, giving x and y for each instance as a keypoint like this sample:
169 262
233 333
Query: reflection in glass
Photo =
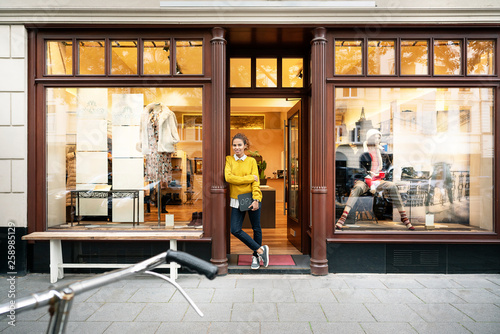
480 57
381 55
447 57
348 57
293 72
189 57
102 139
293 167
240 72
156 57
91 57
267 72
59 57
414 57
123 57
436 146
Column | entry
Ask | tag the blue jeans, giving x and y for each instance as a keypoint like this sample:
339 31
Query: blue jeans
237 217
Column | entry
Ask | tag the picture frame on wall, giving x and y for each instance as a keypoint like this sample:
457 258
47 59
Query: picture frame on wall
198 165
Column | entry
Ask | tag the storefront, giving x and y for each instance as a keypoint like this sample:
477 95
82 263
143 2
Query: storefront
128 128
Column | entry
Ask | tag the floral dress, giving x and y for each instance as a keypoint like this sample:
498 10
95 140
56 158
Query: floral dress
158 165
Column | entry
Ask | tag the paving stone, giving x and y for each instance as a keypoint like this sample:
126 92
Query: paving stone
241 295
364 283
184 327
439 313
254 283
346 312
82 327
336 327
300 312
117 312
285 328
254 312
395 296
435 296
333 283
481 312
475 282
146 295
234 328
132 328
438 328
297 284
481 327
162 312
314 295
220 282
442 282
211 311
476 295
392 313
113 295
401 283
355 296
384 328
31 327
274 295
198 295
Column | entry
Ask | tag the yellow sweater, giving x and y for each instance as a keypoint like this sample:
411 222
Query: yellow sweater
239 174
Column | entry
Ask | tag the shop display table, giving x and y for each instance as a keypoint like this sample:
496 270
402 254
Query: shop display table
76 195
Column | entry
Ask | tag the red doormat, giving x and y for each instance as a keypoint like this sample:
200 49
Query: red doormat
274 260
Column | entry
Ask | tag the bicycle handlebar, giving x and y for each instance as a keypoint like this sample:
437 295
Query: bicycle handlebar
43 298
200 266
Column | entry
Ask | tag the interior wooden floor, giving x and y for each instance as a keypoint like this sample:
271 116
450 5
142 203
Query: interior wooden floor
275 238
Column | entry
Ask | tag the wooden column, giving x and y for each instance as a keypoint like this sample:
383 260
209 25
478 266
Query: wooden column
218 144
319 263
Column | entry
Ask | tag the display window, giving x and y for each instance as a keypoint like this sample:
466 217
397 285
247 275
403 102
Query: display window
124 157
423 156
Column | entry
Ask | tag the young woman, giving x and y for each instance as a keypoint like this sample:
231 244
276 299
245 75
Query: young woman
242 175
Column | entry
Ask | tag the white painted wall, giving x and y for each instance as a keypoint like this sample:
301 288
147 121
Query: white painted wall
13 136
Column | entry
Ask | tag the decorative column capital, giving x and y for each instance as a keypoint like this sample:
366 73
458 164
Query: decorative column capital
319 35
218 35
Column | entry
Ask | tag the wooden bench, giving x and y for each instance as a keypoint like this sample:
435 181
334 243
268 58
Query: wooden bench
56 257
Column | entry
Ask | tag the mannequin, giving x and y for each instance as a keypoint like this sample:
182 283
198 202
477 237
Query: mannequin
372 164
158 137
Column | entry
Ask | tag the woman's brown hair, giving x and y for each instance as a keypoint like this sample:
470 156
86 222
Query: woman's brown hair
243 138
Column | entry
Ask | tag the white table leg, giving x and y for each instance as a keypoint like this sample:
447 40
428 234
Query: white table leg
56 261
173 265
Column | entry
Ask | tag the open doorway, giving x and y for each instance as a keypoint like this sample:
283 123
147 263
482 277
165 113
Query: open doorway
266 123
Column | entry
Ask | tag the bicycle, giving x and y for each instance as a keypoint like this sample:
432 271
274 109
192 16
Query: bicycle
60 298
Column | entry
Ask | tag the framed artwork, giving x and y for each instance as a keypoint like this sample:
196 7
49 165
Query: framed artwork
198 166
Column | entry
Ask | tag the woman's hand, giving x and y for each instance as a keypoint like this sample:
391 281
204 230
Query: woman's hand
255 178
254 206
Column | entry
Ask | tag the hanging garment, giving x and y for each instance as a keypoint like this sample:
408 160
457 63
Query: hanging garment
158 141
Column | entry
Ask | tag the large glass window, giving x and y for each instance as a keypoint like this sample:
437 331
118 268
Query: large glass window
447 57
124 157
267 72
425 151
480 57
381 58
59 57
348 57
156 57
414 57
123 57
91 57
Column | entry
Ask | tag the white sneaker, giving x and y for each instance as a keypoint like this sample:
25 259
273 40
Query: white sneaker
265 255
255 263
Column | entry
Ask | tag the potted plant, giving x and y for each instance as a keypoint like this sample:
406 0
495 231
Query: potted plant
261 165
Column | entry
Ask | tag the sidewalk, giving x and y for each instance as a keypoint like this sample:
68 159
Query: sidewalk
343 303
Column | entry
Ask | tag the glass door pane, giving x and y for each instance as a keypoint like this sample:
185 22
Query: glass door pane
293 166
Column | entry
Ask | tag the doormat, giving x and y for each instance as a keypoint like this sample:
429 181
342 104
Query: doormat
274 260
